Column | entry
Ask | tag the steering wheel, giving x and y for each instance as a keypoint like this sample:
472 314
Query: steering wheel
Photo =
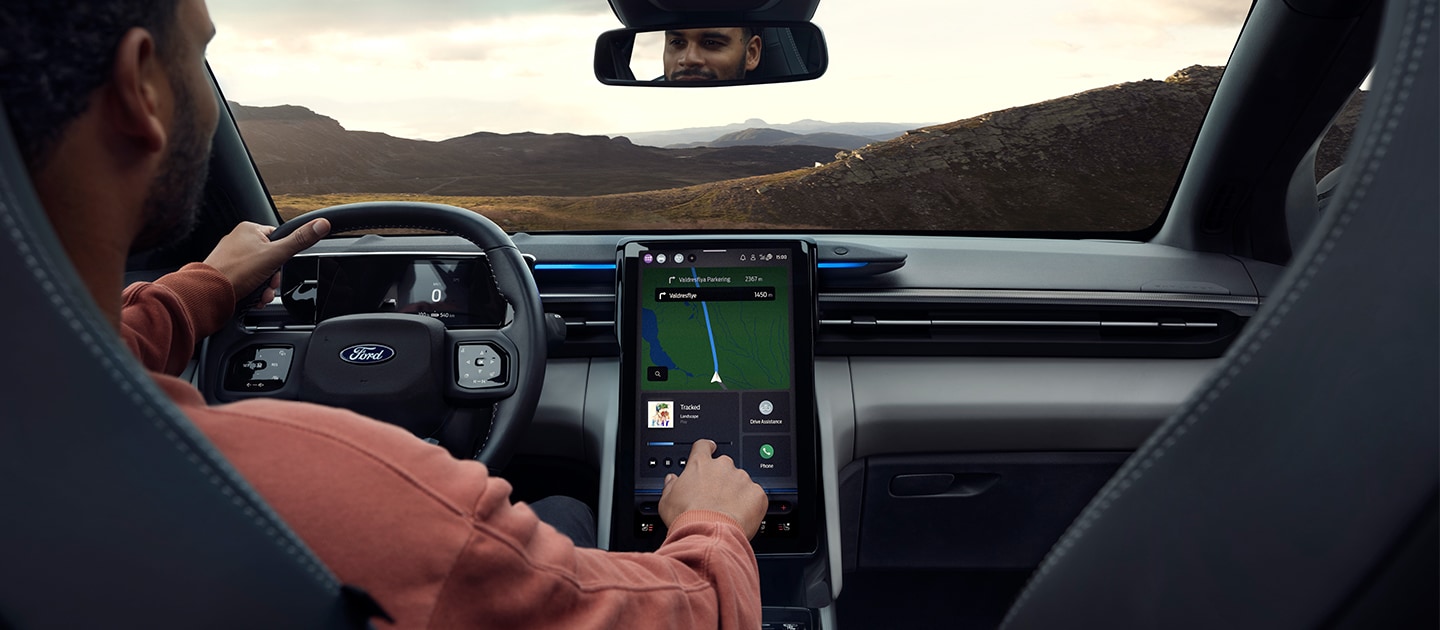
412 371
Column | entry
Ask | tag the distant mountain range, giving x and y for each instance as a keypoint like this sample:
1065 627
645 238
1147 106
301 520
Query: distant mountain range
302 152
767 137
1098 161
697 136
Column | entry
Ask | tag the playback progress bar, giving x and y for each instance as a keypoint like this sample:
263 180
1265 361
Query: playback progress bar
690 443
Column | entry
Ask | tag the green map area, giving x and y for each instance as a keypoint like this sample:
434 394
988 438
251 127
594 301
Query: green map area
751 339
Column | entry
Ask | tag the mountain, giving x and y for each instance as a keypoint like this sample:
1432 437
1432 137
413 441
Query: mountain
302 152
697 136
1103 160
765 136
1098 161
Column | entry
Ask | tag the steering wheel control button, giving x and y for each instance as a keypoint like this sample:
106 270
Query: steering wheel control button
479 365
259 369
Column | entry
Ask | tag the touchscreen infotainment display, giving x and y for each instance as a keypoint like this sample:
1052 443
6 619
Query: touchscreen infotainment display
714 346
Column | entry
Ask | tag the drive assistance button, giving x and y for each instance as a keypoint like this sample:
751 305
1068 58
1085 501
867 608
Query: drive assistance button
765 412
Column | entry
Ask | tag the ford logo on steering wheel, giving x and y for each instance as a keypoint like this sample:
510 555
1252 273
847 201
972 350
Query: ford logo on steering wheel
367 354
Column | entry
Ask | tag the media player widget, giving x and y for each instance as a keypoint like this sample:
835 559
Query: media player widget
753 428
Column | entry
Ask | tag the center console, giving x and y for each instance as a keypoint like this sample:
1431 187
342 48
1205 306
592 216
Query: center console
717 341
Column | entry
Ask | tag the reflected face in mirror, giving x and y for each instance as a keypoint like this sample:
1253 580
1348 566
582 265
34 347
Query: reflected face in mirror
710 54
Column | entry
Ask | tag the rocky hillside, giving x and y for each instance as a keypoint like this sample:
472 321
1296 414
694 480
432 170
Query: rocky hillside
301 152
1101 160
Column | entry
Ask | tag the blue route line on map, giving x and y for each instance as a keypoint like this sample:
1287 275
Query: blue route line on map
714 357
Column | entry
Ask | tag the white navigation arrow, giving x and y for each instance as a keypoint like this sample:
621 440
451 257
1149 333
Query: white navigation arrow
716 378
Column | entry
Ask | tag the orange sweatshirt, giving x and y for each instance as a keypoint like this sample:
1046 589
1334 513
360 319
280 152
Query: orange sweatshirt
433 539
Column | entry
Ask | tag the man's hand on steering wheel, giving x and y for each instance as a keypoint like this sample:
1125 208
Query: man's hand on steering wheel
428 378
250 260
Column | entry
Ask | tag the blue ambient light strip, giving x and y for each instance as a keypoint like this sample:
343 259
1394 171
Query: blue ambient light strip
611 267
574 267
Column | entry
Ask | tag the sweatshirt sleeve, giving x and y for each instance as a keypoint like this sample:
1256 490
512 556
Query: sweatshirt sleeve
439 543
162 321
704 576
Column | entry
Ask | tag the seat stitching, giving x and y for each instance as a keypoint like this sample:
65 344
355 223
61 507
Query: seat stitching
243 499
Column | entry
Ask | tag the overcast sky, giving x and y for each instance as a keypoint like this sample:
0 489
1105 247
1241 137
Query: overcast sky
436 69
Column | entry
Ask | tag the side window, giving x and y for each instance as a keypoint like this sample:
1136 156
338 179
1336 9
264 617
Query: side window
1337 139
1331 156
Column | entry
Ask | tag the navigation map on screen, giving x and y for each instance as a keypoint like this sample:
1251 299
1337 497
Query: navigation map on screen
727 329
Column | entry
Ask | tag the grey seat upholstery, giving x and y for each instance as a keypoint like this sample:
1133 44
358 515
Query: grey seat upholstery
116 511
1297 488
780 55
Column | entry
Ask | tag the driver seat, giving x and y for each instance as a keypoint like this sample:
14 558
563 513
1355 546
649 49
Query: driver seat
117 511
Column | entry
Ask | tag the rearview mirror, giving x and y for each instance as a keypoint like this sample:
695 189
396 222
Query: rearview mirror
710 55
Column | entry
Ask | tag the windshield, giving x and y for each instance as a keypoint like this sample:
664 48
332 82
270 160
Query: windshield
1063 117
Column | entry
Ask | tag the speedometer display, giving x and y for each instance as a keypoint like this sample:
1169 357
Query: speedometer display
456 290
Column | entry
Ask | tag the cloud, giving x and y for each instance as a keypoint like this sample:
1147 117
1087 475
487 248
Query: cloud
1160 14
381 18
460 51
436 69
385 16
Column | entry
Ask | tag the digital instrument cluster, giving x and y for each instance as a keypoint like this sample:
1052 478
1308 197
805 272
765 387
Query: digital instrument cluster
457 290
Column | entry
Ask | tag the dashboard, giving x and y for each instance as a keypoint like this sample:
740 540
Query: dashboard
954 379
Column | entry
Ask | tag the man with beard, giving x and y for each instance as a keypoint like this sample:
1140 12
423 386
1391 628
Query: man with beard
711 54
113 112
